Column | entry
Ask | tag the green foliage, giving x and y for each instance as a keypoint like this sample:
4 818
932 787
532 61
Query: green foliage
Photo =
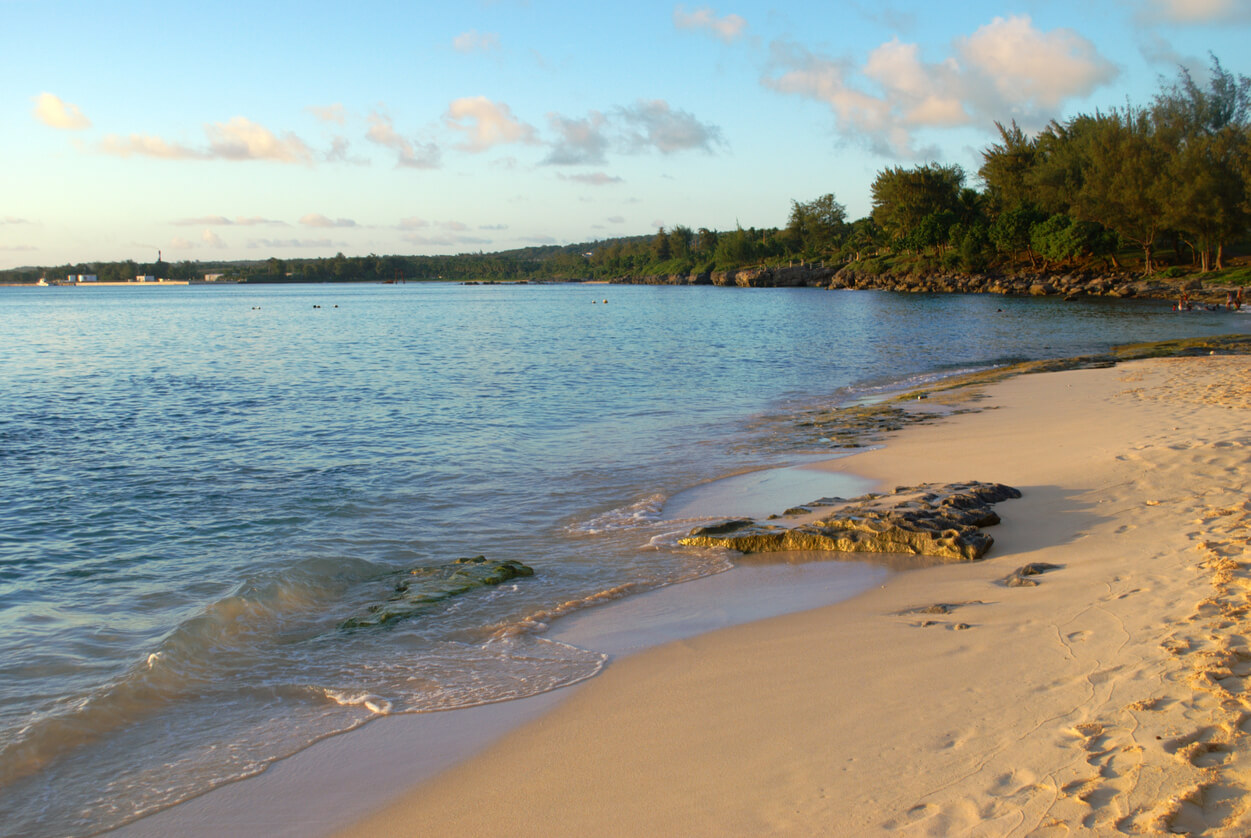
736 248
1207 132
1009 233
906 199
817 228
971 246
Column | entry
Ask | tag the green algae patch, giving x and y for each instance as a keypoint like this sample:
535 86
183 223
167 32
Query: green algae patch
414 590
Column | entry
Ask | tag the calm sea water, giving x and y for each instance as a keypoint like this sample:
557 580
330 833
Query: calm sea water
202 488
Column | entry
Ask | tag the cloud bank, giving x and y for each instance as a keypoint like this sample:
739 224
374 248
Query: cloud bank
485 124
237 139
1007 67
728 28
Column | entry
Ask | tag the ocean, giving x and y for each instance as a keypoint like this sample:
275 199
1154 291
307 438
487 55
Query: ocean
231 517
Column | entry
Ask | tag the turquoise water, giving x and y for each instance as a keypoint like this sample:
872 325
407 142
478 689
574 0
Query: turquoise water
201 485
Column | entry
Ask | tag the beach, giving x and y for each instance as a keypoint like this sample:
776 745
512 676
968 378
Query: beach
1107 698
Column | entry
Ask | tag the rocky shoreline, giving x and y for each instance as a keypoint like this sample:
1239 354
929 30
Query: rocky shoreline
1029 283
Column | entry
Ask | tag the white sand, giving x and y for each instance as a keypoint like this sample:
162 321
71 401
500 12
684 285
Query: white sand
1109 699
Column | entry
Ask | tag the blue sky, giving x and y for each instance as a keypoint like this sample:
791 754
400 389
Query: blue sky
214 131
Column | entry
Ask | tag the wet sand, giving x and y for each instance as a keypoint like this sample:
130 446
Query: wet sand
1109 698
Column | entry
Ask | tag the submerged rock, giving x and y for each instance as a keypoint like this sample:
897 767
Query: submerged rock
941 520
413 590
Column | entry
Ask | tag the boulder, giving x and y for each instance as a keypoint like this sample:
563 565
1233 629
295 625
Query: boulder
941 520
409 592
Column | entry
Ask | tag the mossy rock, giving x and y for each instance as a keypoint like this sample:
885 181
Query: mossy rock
414 591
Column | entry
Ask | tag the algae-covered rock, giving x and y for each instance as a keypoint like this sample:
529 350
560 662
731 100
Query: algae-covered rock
941 520
413 590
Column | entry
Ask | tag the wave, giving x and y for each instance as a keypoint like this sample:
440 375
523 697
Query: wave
646 510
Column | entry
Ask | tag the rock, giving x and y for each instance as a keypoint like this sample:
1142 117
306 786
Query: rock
941 520
1022 577
412 591
723 527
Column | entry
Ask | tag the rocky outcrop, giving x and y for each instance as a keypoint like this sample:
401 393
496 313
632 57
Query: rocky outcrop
1024 283
411 591
941 520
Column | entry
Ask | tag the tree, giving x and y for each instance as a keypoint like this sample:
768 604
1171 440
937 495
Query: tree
680 239
904 199
1207 131
736 248
705 243
1007 168
661 251
1010 231
864 239
1121 187
817 227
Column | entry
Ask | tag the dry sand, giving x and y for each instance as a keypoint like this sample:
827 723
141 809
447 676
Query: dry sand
1111 698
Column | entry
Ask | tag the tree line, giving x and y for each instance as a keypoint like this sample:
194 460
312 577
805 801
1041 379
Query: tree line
1092 188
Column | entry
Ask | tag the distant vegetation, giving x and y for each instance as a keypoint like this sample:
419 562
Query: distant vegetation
1165 187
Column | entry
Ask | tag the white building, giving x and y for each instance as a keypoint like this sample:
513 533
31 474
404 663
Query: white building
81 278
145 278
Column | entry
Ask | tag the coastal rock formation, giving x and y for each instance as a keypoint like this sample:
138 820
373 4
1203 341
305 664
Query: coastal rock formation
941 520
1070 285
413 590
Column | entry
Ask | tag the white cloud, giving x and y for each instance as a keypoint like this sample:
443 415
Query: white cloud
289 244
12 219
474 41
486 124
593 179
314 219
408 155
1006 69
1197 11
238 139
329 113
145 145
726 28
207 239
582 141
1033 71
54 112
223 221
653 124
242 139
925 94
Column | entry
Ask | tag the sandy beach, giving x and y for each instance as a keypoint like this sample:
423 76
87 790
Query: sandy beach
1109 698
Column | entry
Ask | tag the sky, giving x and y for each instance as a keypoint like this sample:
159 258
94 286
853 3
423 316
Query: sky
210 130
